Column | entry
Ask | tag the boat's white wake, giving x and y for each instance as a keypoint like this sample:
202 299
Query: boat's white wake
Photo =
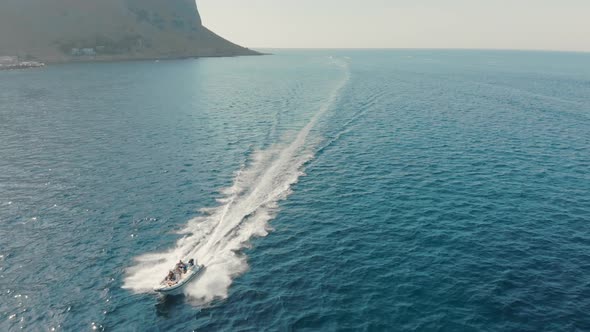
216 238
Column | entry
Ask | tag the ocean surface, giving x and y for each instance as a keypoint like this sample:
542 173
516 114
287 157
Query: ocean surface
348 190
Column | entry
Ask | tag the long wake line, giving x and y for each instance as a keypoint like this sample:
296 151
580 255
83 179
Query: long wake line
215 238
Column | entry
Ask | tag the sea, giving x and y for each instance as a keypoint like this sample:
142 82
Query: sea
323 190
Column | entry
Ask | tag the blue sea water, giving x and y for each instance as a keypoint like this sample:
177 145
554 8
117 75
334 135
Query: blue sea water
349 190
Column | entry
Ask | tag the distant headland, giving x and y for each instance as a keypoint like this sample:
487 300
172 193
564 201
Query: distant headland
50 31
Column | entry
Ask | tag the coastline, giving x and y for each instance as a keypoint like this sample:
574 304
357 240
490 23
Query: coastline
23 65
106 59
109 59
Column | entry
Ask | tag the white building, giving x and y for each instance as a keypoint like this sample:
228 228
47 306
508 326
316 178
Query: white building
8 60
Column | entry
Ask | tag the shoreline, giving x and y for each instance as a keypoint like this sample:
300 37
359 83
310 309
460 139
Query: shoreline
110 59
23 65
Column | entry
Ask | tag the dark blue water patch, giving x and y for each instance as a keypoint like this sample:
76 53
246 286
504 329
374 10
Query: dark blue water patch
449 191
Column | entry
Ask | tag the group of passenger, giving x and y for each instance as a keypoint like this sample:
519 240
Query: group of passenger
175 275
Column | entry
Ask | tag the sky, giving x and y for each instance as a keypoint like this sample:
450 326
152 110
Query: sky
489 24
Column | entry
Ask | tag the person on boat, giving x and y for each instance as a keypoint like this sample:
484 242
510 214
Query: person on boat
191 262
171 277
181 267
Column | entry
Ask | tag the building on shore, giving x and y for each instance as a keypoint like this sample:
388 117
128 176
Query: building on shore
13 62
87 51
8 60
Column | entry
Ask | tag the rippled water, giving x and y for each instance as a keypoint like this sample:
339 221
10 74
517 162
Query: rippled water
328 190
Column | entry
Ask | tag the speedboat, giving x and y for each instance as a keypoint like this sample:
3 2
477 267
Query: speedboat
174 287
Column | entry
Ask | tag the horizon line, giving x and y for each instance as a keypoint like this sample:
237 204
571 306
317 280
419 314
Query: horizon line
423 49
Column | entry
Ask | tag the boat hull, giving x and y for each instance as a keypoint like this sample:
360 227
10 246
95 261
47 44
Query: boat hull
178 288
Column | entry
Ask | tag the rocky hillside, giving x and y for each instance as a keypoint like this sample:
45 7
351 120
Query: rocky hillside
82 30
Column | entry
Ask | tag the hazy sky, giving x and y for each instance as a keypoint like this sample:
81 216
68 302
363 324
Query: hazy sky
512 24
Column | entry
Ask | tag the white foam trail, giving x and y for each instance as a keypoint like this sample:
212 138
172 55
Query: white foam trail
216 238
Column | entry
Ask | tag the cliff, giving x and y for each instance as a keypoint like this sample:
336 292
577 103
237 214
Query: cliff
83 30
